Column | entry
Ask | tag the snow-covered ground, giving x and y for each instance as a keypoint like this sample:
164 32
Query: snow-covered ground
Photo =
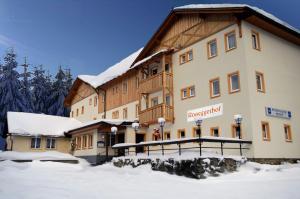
45 180
49 155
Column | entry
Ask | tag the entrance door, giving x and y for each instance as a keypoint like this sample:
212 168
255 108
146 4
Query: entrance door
139 138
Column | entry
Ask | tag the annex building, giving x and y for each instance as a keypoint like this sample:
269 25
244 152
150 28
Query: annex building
210 61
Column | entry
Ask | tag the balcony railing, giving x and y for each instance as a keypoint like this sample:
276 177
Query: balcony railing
155 82
150 115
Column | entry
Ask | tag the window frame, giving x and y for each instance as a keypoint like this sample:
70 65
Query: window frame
179 133
125 113
209 56
115 114
257 40
262 79
211 87
35 142
268 134
152 101
77 112
230 91
188 92
233 131
82 110
95 101
137 107
125 87
165 135
187 57
289 133
51 142
212 131
194 130
226 36
78 142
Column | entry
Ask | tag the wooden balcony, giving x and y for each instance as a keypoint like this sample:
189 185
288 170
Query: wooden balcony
150 115
155 83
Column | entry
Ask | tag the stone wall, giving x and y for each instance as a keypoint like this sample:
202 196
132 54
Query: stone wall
197 168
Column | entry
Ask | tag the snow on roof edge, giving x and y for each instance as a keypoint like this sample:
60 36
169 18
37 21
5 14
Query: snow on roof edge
112 72
258 10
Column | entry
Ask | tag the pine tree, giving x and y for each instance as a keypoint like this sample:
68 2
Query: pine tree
11 98
40 90
26 87
58 94
68 85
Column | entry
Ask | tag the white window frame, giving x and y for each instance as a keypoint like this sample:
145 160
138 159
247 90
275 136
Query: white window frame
51 142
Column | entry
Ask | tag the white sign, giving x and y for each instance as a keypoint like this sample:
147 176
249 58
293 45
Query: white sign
275 112
205 112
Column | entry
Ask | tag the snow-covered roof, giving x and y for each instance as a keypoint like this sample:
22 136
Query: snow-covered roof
116 122
32 124
258 10
112 72
149 57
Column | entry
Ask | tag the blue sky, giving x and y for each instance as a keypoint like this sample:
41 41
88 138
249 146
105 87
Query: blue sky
90 35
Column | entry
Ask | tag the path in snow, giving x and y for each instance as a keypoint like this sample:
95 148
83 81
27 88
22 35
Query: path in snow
45 180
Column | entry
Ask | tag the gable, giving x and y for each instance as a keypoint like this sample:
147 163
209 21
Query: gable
186 29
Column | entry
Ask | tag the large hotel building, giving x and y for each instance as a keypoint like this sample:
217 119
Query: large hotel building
209 61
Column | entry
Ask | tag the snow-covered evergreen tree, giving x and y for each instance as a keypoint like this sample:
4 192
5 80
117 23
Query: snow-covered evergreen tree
11 98
26 87
68 85
58 95
40 90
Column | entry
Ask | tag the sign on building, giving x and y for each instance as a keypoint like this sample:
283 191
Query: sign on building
275 112
205 112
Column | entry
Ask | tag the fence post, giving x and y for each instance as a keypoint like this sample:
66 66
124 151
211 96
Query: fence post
200 148
222 148
241 153
162 149
148 150
179 149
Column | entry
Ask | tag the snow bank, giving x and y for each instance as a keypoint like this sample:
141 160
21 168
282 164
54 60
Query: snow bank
32 124
50 155
112 72
258 10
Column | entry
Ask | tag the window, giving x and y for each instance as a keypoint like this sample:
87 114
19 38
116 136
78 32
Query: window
287 133
167 135
168 100
90 101
188 92
214 131
181 133
50 143
115 115
234 82
196 132
77 112
265 131
154 101
212 48
84 140
72 113
260 82
78 142
136 110
36 143
124 87
167 67
255 40
90 144
154 71
125 114
214 85
230 41
82 110
186 57
234 131
192 91
95 101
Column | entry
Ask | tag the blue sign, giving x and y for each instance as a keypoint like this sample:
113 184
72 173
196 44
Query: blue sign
275 112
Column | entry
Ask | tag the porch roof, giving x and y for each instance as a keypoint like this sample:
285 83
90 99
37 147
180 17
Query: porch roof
100 122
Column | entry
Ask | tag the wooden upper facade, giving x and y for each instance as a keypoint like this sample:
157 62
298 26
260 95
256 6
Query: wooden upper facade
182 28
